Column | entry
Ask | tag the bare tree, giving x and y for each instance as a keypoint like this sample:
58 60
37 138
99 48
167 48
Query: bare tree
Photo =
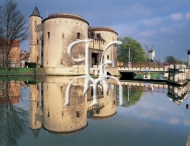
13 28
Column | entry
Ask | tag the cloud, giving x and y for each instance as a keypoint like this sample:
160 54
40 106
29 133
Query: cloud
174 121
149 114
152 22
147 33
186 122
187 15
176 16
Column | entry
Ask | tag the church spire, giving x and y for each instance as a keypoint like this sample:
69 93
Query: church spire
36 12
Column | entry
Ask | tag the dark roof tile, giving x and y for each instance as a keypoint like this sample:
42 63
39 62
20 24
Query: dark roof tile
36 12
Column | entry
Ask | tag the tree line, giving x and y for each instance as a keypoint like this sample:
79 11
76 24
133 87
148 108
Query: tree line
138 54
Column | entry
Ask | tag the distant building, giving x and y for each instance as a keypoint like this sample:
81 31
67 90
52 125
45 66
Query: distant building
24 57
14 56
10 95
50 37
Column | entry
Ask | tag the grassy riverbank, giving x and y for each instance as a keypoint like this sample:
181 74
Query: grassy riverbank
22 72
153 75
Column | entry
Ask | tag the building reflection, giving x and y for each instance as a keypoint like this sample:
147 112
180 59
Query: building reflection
47 108
47 101
177 94
107 103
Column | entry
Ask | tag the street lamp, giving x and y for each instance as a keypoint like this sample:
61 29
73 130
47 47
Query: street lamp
188 52
129 63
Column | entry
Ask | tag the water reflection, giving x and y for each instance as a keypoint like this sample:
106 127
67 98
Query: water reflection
47 100
133 91
47 108
13 118
177 94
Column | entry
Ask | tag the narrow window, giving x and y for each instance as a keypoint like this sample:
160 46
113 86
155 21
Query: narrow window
114 102
48 34
37 87
42 43
78 35
42 103
37 59
77 114
48 114
37 41
62 35
108 57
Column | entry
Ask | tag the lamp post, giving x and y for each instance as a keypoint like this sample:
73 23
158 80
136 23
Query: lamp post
188 52
129 63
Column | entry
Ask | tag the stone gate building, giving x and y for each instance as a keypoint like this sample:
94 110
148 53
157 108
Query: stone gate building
50 37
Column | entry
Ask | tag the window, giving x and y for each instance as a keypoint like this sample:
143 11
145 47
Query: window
78 35
37 59
108 57
48 114
42 103
62 35
37 41
48 34
77 114
42 43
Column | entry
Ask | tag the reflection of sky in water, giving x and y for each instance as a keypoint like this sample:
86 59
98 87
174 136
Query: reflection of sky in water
25 96
154 120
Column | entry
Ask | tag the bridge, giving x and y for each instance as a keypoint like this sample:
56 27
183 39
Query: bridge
175 73
177 94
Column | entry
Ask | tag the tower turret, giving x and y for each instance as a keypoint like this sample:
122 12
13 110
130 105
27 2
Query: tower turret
36 28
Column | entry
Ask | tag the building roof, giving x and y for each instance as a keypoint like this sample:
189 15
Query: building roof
101 28
25 55
65 15
4 42
36 132
35 12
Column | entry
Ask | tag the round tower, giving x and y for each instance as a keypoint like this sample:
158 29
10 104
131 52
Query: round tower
101 36
57 117
35 111
35 20
60 30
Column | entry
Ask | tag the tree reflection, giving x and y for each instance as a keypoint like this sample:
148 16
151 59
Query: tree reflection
132 95
12 117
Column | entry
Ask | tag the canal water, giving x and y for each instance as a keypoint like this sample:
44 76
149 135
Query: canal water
33 114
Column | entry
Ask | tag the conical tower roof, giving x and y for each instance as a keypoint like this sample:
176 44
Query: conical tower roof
35 12
36 132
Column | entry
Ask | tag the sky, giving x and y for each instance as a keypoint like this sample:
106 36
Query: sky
163 23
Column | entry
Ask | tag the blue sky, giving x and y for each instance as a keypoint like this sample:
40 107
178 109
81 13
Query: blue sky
165 23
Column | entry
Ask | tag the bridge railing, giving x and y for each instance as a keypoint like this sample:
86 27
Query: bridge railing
145 65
